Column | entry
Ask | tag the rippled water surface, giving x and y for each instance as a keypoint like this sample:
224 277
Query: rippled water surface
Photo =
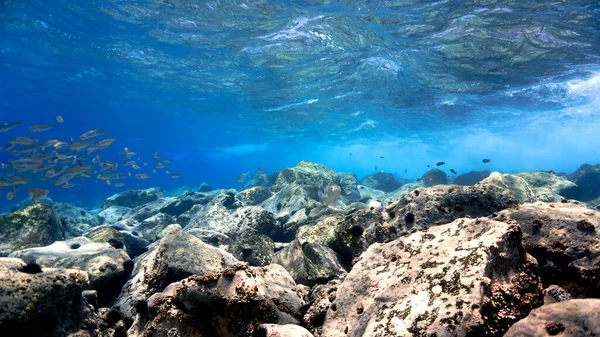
222 87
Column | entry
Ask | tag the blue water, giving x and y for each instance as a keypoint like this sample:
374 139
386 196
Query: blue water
223 87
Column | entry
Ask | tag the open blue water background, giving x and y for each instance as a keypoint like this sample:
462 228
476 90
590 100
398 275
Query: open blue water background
223 87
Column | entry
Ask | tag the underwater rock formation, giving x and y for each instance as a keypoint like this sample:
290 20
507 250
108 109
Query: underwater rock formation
230 303
309 263
471 178
382 181
418 210
587 178
133 245
564 238
177 256
75 220
222 215
287 330
434 177
309 176
257 250
253 196
573 318
541 181
183 203
262 262
113 214
349 186
204 187
133 198
32 226
469 277
107 267
37 301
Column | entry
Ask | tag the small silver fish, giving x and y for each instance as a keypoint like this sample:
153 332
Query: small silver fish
40 127
8 126
59 119
37 193
242 177
92 134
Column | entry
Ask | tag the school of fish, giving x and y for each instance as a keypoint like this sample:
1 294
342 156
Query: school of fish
66 163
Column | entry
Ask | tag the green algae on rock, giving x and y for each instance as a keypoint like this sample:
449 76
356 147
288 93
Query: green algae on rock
33 226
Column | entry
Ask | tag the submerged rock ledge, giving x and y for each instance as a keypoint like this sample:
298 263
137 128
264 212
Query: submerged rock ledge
315 254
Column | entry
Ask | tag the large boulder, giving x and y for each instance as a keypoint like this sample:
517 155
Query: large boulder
33 226
253 196
310 176
150 227
323 232
309 263
257 250
471 277
223 216
183 203
382 181
471 178
230 303
133 198
113 214
548 186
177 256
587 178
434 177
420 209
107 267
75 220
565 240
573 318
287 201
37 301
513 183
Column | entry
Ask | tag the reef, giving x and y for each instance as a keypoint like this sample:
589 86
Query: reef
489 255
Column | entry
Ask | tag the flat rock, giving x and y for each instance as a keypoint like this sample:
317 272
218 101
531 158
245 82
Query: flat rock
230 303
33 226
107 267
573 318
565 239
133 245
470 277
